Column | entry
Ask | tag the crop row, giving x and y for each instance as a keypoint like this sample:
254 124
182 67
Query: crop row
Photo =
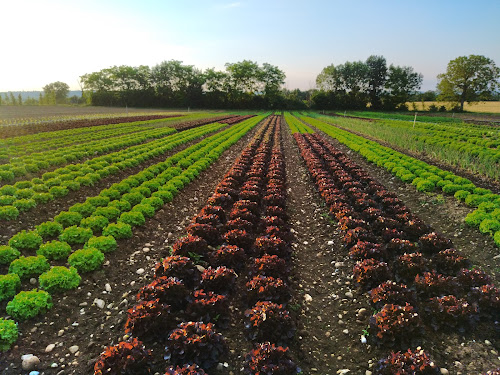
98 223
225 233
296 126
7 131
416 280
476 150
39 161
32 163
425 177
25 195
9 152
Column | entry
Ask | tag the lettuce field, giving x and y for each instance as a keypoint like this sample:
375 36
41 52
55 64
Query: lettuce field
249 243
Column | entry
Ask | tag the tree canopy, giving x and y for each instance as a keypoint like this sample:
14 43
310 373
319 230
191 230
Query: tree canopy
57 92
354 85
244 84
468 79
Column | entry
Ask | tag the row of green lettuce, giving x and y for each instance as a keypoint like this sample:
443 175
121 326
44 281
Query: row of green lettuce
425 177
39 161
295 125
25 195
15 147
483 135
13 153
478 152
124 206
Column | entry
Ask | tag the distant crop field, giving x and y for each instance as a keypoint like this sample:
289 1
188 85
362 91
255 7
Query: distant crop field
481 107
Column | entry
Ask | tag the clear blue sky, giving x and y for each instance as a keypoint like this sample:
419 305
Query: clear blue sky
58 40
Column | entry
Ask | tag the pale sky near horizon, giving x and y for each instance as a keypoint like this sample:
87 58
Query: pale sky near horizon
45 41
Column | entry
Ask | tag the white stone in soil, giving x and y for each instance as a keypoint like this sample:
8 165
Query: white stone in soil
308 298
140 271
49 348
349 295
330 243
33 281
99 303
444 371
107 287
30 362
73 349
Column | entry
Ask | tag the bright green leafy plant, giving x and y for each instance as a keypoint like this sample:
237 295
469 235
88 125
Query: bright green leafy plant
59 279
8 334
55 250
9 285
28 304
86 260
27 267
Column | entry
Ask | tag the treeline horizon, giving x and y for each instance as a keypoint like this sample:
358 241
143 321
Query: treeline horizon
247 85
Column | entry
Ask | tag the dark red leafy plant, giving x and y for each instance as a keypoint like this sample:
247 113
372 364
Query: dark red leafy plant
399 245
243 213
190 244
450 312
238 237
228 255
267 288
219 280
410 362
268 321
214 210
432 284
272 246
179 267
168 290
352 236
125 358
449 262
364 250
211 219
251 195
268 359
276 211
390 292
473 278
269 265
407 266
208 307
240 224
395 324
148 319
195 342
246 204
488 299
206 231
222 200
369 273
433 243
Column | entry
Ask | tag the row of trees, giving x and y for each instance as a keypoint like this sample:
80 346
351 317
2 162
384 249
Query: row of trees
53 93
354 85
244 84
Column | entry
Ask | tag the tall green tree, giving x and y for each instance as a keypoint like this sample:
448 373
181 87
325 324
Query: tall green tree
377 76
57 90
468 79
19 99
402 83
